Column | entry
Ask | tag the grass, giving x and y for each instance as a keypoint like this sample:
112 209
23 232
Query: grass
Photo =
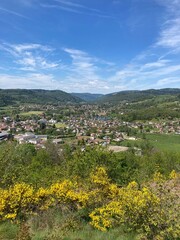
87 234
60 125
8 231
131 143
31 113
53 225
165 142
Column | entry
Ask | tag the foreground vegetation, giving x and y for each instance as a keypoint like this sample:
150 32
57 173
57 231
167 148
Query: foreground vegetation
74 194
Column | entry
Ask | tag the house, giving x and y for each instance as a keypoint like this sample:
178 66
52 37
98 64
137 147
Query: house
4 136
58 141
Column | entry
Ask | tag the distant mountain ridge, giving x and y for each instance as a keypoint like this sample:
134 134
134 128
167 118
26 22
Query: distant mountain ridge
137 95
54 97
35 96
88 97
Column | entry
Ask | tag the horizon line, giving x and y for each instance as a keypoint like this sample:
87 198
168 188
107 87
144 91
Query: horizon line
131 90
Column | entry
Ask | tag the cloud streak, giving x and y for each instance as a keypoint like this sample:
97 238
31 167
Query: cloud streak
76 8
156 67
12 12
30 57
76 5
83 72
28 81
170 35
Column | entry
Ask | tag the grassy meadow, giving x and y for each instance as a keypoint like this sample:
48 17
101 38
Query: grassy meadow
165 142
60 125
31 113
8 231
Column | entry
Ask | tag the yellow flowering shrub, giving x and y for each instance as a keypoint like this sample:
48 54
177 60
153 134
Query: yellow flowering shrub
152 209
101 189
100 177
60 190
3 199
43 199
69 192
128 207
174 175
20 200
16 201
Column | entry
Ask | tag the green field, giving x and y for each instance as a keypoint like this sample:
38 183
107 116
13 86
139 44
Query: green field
31 113
60 125
165 142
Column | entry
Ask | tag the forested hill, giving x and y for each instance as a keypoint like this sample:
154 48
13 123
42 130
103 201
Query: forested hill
88 97
135 95
37 96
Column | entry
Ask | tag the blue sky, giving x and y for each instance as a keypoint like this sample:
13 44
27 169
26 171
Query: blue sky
97 46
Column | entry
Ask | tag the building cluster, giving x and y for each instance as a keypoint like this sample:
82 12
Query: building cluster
87 124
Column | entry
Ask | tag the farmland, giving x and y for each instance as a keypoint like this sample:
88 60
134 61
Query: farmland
165 142
31 113
162 142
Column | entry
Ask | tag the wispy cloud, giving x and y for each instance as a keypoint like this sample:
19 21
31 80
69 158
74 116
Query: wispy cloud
25 47
28 81
170 32
68 9
89 74
172 6
76 5
168 81
27 3
12 12
158 65
83 72
69 6
30 57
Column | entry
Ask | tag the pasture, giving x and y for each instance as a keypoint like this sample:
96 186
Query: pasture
31 113
166 142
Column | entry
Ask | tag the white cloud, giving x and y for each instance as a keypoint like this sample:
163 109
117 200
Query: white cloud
168 81
32 57
170 35
159 61
24 47
28 81
82 64
157 64
84 72
172 6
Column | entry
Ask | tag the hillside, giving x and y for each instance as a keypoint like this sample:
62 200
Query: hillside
135 96
37 96
88 97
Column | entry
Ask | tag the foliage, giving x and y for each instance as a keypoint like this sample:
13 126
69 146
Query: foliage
13 96
150 210
137 193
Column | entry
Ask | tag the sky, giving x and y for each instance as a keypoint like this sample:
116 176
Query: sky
96 46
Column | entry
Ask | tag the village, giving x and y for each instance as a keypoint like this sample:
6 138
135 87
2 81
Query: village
81 125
